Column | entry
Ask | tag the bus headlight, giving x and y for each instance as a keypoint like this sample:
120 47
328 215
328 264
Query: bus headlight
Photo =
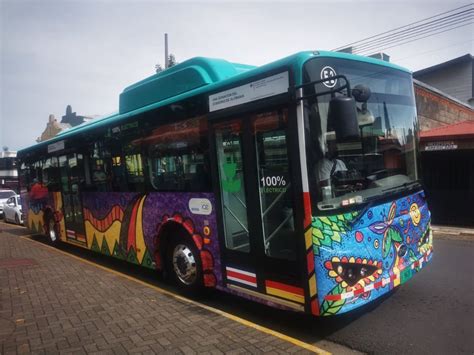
352 272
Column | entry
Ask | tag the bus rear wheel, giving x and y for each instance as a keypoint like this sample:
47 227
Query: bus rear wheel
52 234
184 265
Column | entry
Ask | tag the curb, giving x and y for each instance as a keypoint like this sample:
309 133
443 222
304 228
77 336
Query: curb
453 231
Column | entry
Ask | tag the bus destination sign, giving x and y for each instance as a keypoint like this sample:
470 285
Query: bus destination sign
55 147
266 87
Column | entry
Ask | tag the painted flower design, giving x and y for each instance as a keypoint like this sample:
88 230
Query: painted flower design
353 273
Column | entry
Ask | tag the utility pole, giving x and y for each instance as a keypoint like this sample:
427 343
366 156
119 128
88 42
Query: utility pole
166 52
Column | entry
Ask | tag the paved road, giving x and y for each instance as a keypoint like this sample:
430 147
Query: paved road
432 313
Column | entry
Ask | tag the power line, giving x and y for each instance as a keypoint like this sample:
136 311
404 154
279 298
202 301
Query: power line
398 60
398 28
429 35
447 26
419 30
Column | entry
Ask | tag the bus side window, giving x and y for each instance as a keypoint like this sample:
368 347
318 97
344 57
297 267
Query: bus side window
34 173
24 177
118 176
178 157
135 176
50 174
100 168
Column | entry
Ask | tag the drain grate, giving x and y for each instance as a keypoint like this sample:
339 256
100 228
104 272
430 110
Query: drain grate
17 262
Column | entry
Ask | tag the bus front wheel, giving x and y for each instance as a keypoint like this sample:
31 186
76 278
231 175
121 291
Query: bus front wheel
184 265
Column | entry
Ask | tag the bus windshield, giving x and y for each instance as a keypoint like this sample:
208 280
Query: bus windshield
383 160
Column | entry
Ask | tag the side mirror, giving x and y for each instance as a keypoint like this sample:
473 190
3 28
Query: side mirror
343 113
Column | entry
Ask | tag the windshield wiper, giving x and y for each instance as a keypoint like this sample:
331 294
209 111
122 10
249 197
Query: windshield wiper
369 201
404 186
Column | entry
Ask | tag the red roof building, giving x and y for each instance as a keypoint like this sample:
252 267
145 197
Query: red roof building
460 130
455 136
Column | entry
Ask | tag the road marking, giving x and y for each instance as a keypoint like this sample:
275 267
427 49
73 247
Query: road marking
237 319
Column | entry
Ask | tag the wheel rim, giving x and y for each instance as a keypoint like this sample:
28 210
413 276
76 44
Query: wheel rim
184 264
52 232
17 220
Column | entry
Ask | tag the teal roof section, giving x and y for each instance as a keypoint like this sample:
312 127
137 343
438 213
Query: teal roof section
181 78
360 58
198 76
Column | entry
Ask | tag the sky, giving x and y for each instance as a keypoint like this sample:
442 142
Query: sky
84 53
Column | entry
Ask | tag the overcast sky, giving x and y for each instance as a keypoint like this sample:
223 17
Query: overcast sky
83 53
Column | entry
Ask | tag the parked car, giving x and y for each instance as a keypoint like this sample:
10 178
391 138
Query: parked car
12 210
4 196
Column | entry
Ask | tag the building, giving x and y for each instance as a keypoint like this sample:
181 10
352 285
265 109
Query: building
436 108
454 77
53 127
447 154
8 170
72 119
448 172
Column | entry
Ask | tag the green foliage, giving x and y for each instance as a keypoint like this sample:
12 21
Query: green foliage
391 235
412 256
105 247
118 253
132 256
95 245
147 260
332 307
171 63
327 230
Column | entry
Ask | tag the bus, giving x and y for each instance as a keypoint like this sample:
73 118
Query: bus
294 184
8 170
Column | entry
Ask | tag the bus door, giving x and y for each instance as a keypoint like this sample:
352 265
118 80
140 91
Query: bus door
72 178
256 205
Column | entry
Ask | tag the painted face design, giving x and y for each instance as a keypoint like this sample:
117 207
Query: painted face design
367 253
353 273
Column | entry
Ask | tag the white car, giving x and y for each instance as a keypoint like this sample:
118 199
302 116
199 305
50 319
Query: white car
4 196
12 210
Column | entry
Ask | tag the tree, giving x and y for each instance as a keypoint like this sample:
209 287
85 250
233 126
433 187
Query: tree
171 63
171 60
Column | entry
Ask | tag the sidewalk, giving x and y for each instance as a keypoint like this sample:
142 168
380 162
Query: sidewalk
53 303
466 233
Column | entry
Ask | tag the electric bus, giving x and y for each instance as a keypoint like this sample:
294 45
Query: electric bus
294 184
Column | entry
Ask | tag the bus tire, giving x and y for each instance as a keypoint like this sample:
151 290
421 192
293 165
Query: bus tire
51 230
184 265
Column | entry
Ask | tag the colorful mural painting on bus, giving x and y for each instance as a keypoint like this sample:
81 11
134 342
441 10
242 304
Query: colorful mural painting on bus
40 201
127 226
363 255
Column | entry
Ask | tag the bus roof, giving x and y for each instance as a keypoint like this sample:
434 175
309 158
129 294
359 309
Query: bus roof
193 77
